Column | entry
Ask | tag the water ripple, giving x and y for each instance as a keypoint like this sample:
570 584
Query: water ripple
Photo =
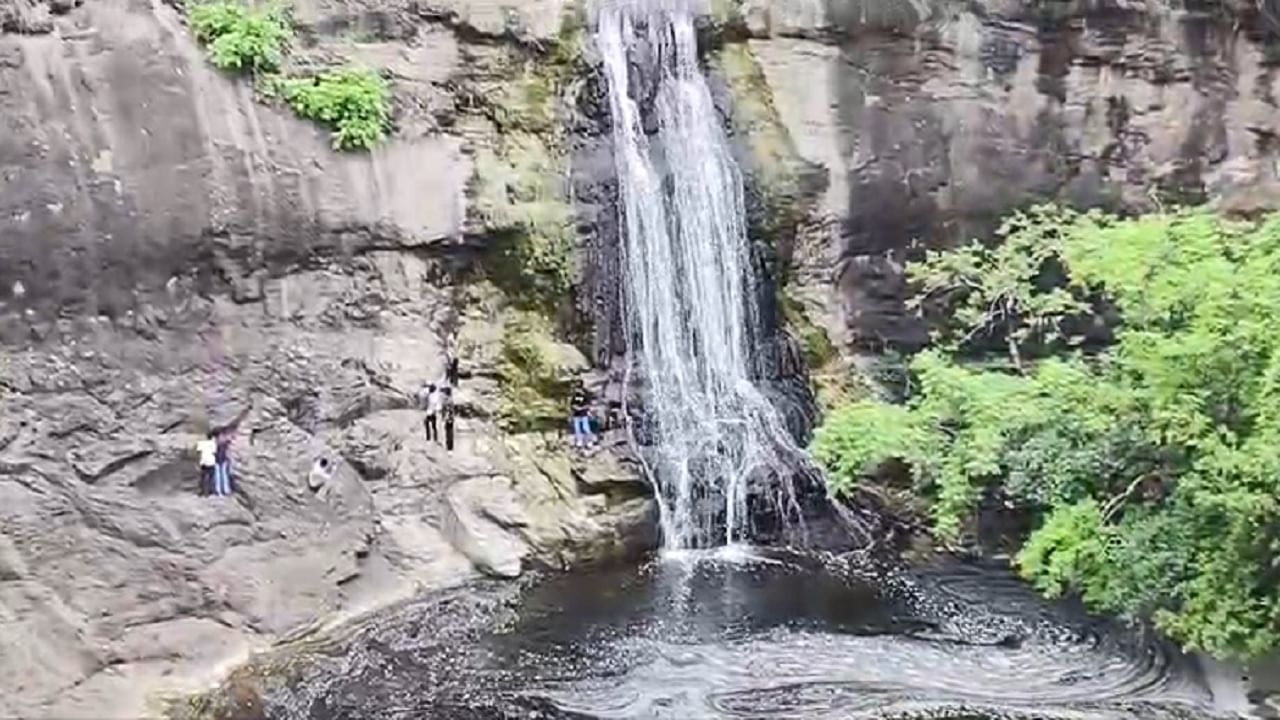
772 635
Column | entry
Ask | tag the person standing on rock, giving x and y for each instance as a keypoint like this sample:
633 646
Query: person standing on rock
222 465
207 449
580 419
430 398
451 371
447 409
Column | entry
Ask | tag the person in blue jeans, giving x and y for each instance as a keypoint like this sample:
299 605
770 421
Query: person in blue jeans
580 420
222 466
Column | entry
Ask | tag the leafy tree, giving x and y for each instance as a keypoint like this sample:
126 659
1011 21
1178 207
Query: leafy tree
239 38
998 291
1154 464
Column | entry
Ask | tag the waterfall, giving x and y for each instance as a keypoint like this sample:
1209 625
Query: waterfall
690 297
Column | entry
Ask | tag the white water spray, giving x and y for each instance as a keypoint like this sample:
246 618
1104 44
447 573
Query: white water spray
690 296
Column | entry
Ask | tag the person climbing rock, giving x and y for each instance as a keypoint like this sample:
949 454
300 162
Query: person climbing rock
430 399
580 418
222 464
447 410
207 449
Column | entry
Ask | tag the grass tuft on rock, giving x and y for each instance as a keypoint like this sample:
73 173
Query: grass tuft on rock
355 103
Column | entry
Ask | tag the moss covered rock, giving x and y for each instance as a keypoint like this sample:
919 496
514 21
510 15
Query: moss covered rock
520 198
536 375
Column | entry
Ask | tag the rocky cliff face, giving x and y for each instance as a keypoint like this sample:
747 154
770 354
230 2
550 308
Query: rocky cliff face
934 118
175 253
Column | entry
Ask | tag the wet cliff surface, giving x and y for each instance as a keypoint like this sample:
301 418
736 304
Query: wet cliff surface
176 253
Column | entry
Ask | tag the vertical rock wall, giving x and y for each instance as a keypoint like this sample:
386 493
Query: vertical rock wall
176 254
934 118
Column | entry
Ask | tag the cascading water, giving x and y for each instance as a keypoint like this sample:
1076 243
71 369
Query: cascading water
690 296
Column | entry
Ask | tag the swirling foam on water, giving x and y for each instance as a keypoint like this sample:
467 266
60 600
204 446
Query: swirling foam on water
787 635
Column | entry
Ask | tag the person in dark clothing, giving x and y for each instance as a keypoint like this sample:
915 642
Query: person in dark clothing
451 371
613 416
447 410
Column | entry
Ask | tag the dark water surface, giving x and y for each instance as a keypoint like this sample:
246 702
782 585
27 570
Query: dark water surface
745 635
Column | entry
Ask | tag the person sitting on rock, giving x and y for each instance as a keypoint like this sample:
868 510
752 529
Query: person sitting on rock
430 398
447 409
321 472
580 419
207 449
613 416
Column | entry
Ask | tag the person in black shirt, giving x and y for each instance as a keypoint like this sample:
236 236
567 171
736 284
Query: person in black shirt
447 410
580 419
451 371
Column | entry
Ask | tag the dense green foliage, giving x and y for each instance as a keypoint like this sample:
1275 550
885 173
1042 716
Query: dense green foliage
354 102
1153 463
239 38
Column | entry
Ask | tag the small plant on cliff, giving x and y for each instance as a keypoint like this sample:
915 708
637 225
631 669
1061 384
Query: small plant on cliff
239 38
354 102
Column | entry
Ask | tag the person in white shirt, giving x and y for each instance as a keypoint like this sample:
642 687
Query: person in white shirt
431 398
207 450
321 472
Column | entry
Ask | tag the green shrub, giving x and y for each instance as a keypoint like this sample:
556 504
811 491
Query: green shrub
354 102
1153 464
240 38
